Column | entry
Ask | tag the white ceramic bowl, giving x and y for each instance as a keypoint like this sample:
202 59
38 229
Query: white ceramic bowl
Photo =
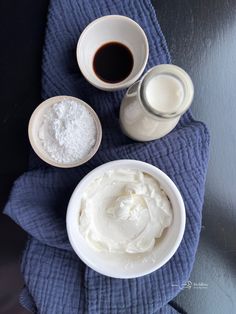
111 264
106 29
35 122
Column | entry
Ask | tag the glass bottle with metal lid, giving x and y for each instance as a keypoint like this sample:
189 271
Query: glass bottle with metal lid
153 106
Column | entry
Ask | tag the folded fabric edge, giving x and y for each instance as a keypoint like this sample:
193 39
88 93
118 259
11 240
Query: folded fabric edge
27 301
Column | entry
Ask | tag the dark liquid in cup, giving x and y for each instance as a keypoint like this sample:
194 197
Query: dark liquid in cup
113 62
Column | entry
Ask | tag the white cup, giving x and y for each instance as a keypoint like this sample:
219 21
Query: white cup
112 28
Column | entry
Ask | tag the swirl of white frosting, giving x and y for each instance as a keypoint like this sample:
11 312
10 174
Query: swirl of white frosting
124 211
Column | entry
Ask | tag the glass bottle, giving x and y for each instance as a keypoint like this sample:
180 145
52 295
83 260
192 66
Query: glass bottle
153 106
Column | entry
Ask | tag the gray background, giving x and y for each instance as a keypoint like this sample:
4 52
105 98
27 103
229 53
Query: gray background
201 36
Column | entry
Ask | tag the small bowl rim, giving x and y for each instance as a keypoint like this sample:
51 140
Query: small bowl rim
133 164
123 84
44 156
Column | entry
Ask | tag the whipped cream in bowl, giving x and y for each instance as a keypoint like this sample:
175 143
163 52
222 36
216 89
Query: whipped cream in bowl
125 219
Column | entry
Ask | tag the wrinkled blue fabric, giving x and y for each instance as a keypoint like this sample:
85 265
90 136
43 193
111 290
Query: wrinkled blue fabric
56 281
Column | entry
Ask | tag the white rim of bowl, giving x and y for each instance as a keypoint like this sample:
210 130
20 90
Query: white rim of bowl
149 169
108 86
45 157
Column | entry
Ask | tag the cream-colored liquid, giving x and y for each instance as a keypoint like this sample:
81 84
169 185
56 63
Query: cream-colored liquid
153 106
164 93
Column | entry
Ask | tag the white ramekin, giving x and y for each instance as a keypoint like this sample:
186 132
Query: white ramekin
112 28
114 265
35 122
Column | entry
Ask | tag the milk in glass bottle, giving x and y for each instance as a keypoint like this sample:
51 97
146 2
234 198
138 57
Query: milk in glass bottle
153 106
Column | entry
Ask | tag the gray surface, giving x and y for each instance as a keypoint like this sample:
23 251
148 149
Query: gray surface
202 39
22 25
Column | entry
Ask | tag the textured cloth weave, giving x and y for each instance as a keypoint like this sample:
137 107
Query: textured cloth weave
56 280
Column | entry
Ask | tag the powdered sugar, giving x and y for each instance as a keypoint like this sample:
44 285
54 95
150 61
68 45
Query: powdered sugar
67 131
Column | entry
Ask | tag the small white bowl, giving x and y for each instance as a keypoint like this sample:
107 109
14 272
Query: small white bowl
112 28
35 122
114 265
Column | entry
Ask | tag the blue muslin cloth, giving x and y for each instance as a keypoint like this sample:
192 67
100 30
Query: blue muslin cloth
56 281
